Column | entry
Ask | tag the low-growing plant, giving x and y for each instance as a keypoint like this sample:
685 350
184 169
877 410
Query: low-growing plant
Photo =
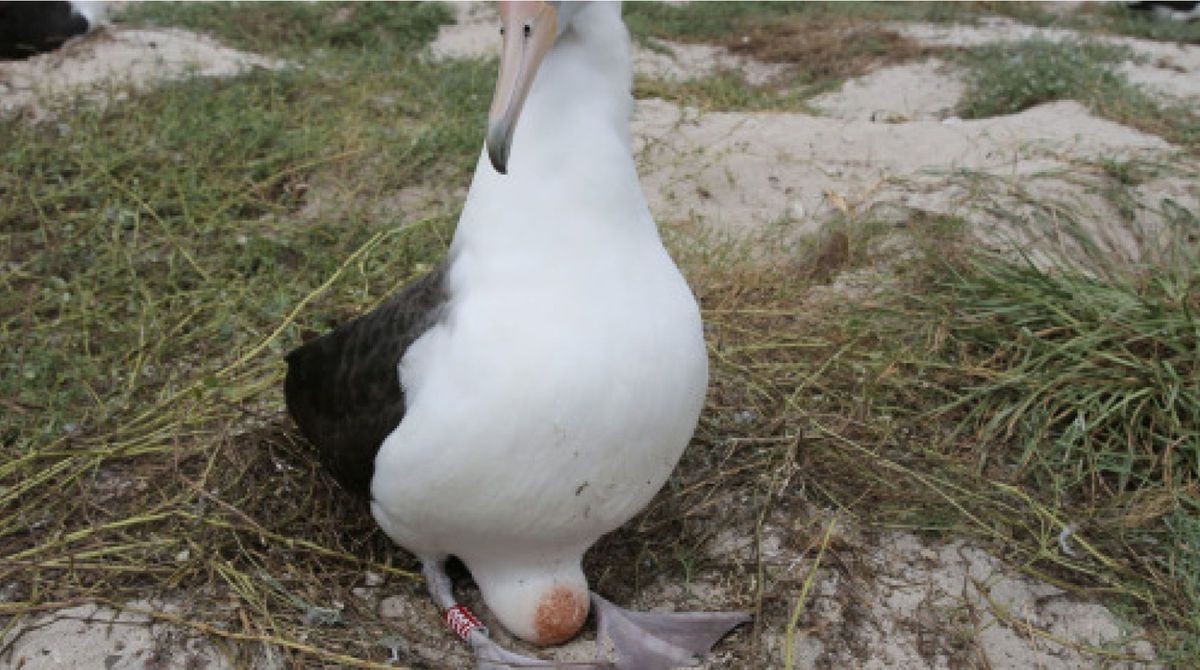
1010 77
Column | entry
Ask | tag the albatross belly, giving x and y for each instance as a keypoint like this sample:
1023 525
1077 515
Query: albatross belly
567 414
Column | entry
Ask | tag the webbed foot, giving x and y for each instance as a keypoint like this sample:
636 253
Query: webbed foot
491 656
660 640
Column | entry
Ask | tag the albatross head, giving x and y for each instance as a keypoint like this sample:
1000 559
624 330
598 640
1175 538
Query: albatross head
529 29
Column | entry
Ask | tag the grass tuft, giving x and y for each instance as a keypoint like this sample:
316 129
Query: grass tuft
1010 77
1091 380
720 22
298 28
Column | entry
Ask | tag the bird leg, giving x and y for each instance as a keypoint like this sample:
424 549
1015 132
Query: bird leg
490 656
660 640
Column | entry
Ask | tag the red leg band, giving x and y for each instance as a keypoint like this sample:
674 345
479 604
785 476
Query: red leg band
461 621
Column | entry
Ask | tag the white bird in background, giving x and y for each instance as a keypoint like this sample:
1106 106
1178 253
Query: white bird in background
535 391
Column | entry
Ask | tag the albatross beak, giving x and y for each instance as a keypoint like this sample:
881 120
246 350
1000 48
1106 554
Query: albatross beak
529 31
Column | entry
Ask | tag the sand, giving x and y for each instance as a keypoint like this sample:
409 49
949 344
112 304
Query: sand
923 91
103 63
90 637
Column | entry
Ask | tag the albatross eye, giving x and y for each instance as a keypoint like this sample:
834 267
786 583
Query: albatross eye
528 29
502 30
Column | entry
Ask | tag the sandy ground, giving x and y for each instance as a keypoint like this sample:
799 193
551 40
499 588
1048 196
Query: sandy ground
924 91
886 144
103 63
90 637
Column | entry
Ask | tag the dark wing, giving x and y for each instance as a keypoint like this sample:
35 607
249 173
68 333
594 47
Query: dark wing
29 28
342 388
1175 6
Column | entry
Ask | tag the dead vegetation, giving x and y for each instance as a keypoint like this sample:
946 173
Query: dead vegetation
828 49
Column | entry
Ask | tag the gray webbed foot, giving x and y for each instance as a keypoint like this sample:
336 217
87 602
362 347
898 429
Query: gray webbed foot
661 640
491 656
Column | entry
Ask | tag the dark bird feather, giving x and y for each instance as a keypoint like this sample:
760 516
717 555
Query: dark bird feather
30 28
1180 7
343 388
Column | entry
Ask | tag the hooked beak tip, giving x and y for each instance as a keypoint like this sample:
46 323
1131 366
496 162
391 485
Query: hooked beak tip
498 141
530 29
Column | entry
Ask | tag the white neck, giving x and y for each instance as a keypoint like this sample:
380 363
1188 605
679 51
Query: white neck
570 165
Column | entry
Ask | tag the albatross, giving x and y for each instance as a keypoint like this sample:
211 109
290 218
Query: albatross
534 391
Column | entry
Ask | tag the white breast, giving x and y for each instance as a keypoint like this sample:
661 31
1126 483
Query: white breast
531 427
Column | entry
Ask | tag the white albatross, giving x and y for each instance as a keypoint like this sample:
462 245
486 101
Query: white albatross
535 391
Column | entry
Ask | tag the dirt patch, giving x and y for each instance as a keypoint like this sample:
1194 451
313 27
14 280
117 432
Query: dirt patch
103 63
743 172
678 62
894 600
89 636
474 34
827 49
922 91
1171 82
907 603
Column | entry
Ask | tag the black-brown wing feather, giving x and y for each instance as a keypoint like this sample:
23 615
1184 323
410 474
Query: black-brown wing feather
343 389
30 28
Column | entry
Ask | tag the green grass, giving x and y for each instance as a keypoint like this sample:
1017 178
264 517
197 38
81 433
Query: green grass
157 211
1092 380
986 397
1010 77
299 28
719 21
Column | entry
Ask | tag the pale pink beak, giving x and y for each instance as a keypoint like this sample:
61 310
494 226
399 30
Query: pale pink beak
529 31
